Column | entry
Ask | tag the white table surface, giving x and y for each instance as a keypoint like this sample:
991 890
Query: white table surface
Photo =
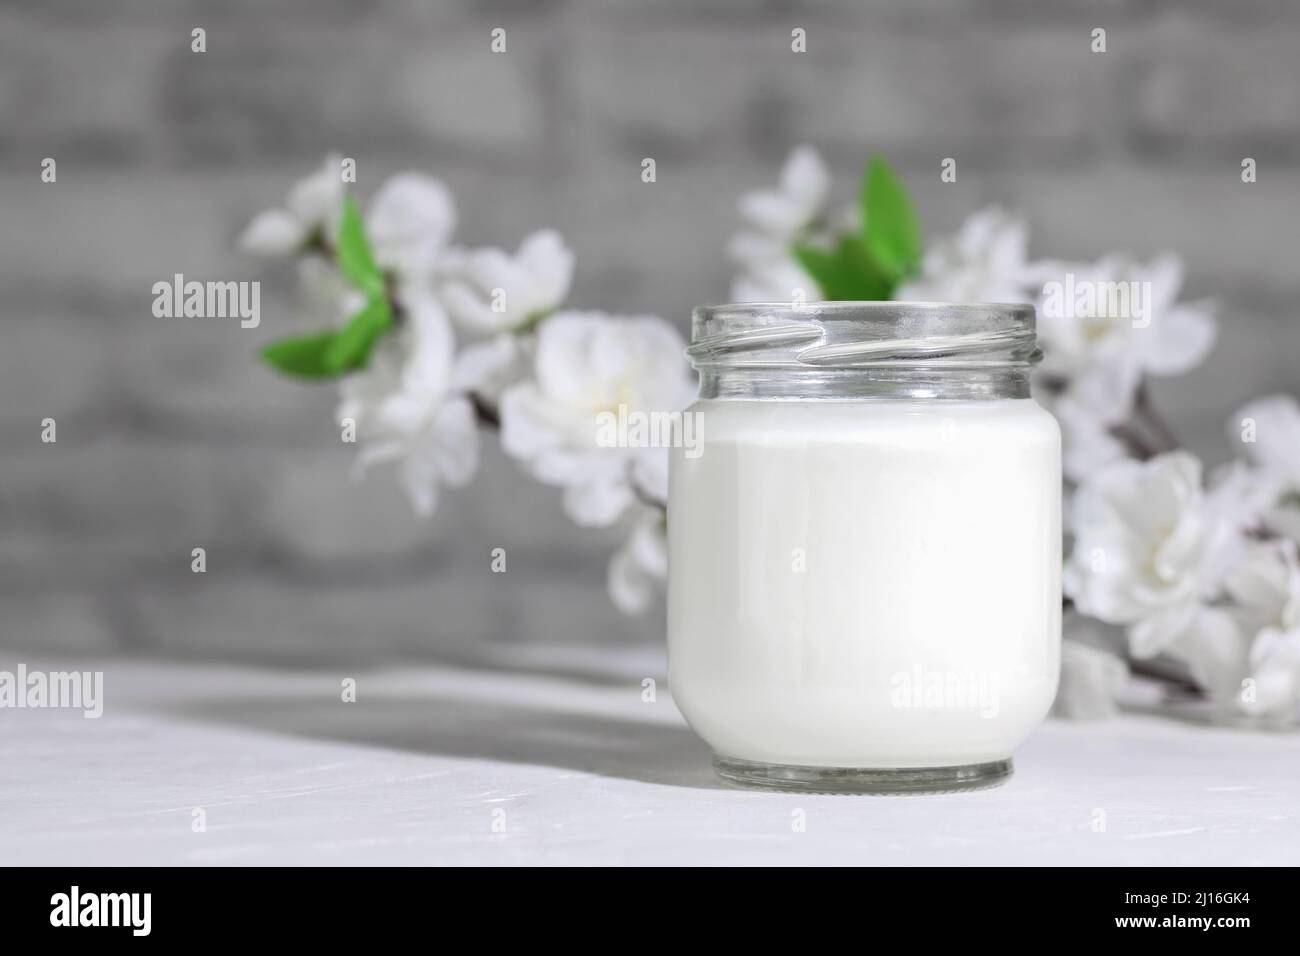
418 768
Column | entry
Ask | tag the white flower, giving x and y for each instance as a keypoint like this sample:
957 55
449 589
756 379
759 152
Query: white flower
1215 647
773 280
638 568
489 290
1148 549
409 222
1090 411
774 220
1265 584
586 364
1091 680
489 367
1266 589
1087 443
984 262
1276 427
1273 483
1244 496
406 412
312 209
1116 319
1275 664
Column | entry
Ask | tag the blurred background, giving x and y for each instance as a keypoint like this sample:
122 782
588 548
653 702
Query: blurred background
171 435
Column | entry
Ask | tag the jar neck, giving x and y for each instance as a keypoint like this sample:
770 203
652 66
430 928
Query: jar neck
738 383
864 350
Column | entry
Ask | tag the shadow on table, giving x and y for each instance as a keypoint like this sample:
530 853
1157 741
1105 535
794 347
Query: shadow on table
648 752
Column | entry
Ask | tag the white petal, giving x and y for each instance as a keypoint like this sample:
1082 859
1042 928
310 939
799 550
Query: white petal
650 470
599 503
456 442
1264 581
1277 678
1091 679
787 212
411 218
1275 423
429 344
756 248
1275 666
805 177
376 453
1216 653
1183 338
630 588
649 546
471 309
317 200
1088 446
773 213
526 431
1158 631
1240 495
489 367
775 280
549 263
565 363
273 233
1107 390
983 262
421 487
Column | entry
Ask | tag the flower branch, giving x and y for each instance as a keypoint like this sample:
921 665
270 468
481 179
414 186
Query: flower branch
431 343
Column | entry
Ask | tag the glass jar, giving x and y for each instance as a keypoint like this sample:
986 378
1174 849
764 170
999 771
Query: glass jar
865 545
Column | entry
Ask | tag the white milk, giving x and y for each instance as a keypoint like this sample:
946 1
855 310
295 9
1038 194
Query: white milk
868 584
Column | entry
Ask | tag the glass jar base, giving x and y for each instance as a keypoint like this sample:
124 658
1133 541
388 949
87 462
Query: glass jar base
786 777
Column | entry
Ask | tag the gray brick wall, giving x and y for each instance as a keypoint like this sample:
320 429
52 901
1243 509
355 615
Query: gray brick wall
171 436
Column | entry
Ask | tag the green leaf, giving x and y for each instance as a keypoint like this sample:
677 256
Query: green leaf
303 356
331 354
321 355
352 345
845 272
352 251
890 228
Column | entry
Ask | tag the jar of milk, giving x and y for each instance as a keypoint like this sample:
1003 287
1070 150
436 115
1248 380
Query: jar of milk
865 545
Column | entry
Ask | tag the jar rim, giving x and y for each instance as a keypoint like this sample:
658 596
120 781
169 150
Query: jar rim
864 334
881 306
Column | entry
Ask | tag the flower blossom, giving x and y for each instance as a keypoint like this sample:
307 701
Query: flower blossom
406 411
774 220
640 566
1269 432
1104 325
409 222
490 291
311 210
1091 681
984 262
1149 550
588 364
